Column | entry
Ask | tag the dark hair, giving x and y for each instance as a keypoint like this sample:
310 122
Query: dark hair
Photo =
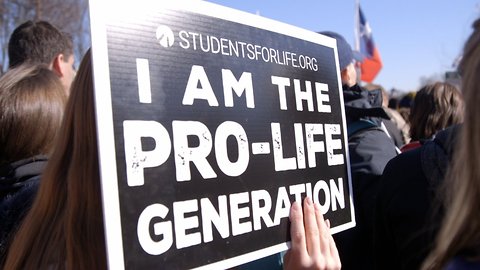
64 227
32 102
393 103
435 107
407 100
37 42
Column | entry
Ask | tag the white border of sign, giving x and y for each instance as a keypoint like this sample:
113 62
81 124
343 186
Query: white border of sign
100 13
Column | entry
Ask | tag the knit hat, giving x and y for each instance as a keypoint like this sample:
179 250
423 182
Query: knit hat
345 53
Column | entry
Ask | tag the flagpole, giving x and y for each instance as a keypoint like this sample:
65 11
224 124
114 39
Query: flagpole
357 37
356 25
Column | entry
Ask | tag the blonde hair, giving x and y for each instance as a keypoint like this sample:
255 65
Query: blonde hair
460 232
32 102
64 228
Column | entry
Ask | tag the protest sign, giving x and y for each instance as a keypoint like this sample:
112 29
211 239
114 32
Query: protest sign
210 123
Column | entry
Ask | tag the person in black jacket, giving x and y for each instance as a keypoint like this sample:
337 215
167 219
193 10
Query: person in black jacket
32 102
407 210
370 149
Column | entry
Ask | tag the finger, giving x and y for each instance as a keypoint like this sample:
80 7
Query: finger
333 248
324 231
286 258
297 230
311 228
334 253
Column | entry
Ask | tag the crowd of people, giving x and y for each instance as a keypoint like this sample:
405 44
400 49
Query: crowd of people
415 178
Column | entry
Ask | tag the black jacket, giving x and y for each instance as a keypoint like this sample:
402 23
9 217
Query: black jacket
370 149
408 212
18 187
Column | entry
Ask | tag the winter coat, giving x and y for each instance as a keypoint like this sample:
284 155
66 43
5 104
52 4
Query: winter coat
18 187
408 213
370 150
462 263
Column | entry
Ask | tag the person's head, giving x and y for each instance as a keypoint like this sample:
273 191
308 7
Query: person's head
393 103
64 227
405 105
41 42
32 102
372 87
435 107
460 231
346 59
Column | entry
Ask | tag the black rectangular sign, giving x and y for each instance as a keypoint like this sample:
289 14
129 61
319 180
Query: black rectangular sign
211 122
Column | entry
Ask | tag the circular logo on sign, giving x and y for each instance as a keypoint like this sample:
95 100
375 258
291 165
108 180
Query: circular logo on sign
165 36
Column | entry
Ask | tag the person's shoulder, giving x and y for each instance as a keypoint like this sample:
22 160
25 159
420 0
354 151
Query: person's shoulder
14 208
17 202
374 138
403 171
404 160
460 263
436 154
446 139
370 150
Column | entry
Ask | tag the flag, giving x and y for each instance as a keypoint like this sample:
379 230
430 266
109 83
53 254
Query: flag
372 63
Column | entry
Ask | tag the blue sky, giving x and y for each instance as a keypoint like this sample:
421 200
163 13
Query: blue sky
416 38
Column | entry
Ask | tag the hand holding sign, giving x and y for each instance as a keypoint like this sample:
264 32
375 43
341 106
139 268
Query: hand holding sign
312 244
